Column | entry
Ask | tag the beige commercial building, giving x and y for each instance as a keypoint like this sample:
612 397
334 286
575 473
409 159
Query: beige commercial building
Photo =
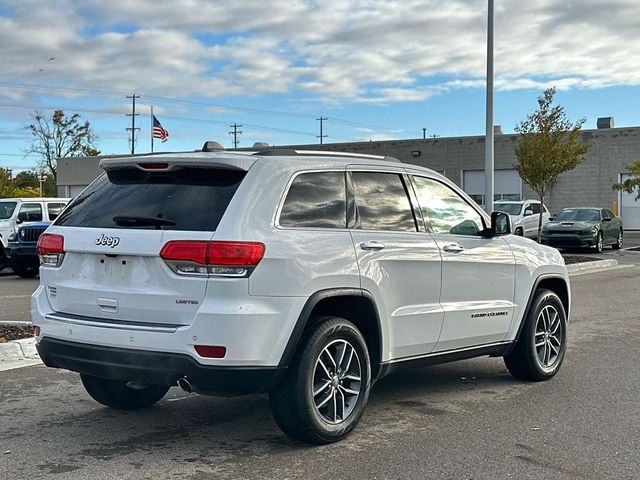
461 159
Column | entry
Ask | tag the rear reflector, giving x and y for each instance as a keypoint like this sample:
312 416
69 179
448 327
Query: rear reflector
50 249
230 259
211 351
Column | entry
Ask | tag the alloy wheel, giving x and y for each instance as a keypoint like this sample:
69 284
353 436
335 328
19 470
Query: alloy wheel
549 336
336 384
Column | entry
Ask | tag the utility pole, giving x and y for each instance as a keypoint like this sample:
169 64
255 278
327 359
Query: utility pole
424 133
321 136
488 138
132 129
235 134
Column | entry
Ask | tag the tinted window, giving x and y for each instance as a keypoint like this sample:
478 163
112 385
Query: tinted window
382 202
193 198
30 212
535 208
510 208
578 215
54 209
6 209
446 211
317 200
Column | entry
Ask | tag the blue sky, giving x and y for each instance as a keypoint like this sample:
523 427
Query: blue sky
378 69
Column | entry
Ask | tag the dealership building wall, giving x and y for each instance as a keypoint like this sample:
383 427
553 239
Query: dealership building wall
461 159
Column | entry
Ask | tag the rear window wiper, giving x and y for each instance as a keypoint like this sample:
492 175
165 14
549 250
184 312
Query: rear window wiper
131 221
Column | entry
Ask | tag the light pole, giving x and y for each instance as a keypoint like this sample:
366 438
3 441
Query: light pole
41 180
488 139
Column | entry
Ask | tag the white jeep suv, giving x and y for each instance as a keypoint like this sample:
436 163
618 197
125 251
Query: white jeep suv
305 275
525 216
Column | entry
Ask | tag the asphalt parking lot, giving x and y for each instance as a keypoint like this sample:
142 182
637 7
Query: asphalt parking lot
466 420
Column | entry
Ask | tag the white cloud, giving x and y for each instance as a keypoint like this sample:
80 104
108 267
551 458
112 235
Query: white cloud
374 51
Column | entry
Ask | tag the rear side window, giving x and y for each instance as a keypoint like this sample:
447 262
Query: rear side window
316 200
54 209
192 199
382 202
30 212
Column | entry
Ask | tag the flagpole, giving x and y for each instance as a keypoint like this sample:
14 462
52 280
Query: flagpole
151 128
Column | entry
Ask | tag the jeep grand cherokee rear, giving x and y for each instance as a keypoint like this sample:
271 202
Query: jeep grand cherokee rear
305 275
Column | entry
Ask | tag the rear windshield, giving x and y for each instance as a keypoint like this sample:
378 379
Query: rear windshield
191 199
6 209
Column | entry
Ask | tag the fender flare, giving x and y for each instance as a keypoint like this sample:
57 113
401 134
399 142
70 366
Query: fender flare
544 276
305 316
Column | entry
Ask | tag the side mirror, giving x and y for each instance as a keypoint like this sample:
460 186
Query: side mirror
528 212
500 224
551 218
18 221
607 219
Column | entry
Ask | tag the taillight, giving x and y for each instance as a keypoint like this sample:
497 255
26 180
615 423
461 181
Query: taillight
228 259
50 249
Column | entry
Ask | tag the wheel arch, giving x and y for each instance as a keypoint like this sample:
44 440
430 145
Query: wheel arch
557 284
356 305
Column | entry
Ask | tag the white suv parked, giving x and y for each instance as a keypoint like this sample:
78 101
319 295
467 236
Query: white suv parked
306 275
524 216
15 211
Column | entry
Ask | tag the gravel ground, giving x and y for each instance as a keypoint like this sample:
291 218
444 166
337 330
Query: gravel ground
8 333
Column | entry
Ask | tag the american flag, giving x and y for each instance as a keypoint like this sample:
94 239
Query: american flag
158 131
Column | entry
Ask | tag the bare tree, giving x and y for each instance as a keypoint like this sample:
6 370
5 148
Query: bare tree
549 146
60 136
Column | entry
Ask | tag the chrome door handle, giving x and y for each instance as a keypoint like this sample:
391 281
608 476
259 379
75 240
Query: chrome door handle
453 248
372 245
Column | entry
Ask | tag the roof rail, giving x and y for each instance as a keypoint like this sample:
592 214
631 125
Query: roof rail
321 153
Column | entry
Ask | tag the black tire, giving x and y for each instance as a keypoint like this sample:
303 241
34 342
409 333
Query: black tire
599 243
524 361
117 394
4 261
619 242
25 267
519 232
292 401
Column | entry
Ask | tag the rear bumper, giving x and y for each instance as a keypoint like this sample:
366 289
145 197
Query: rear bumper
156 367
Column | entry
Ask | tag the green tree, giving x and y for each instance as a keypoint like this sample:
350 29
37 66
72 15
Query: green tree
26 178
58 137
6 185
549 145
632 183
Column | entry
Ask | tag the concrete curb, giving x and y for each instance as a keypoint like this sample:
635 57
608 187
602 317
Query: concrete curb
18 353
589 267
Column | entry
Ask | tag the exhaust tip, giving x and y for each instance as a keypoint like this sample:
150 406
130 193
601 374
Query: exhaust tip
185 385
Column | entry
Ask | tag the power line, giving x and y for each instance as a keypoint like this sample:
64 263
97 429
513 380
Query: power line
197 103
187 119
